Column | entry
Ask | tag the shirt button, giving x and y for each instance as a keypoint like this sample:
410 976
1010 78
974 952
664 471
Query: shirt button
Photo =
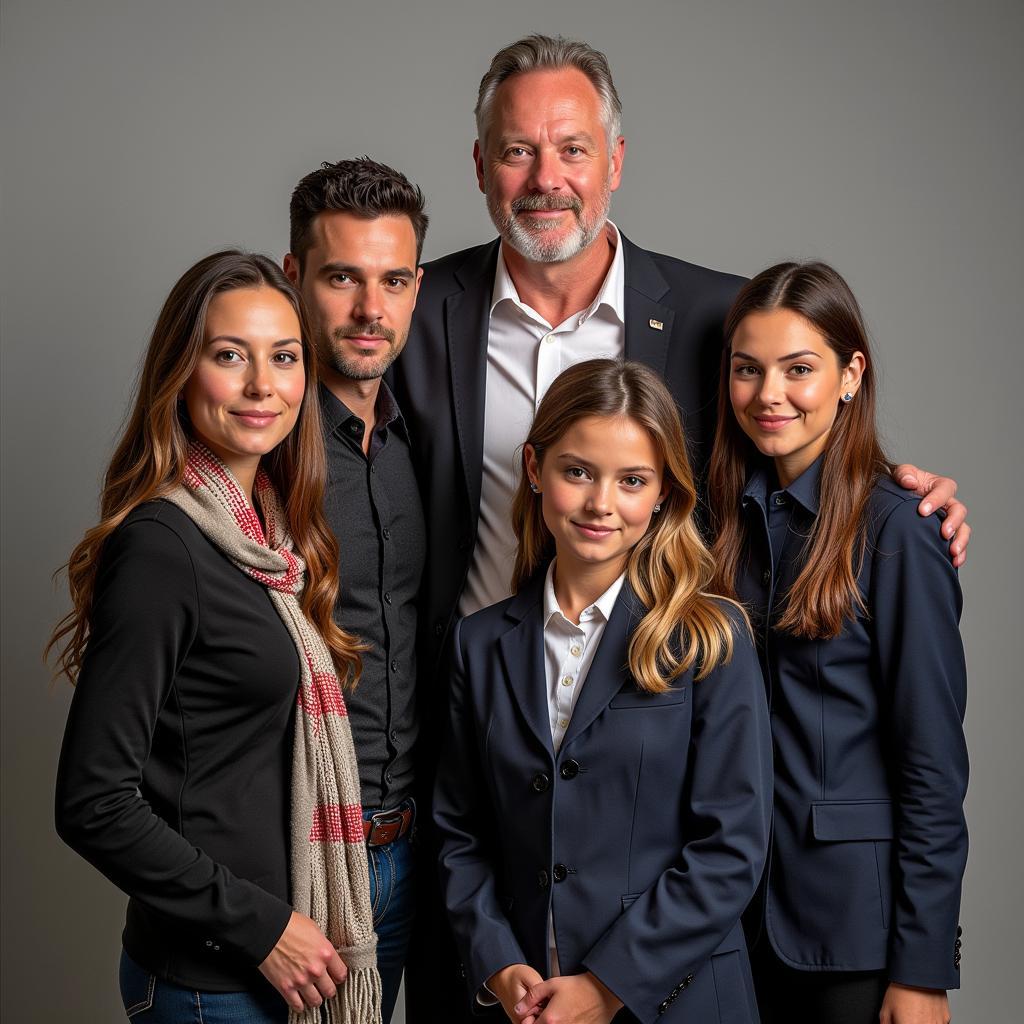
394 664
780 499
387 597
394 735
355 428
385 533
438 628
563 723
766 577
387 777
567 680
373 469
549 338
575 650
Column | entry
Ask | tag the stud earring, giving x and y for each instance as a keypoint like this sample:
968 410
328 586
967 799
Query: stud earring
657 508
848 397
534 488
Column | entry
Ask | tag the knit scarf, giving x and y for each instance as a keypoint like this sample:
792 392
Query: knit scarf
329 875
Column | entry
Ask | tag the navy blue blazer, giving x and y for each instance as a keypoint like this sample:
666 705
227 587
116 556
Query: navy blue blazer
869 840
646 834
674 315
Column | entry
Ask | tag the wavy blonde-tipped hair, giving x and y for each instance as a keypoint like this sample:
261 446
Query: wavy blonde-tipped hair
670 567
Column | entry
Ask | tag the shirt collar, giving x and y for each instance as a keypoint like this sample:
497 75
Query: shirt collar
612 293
804 489
601 607
335 413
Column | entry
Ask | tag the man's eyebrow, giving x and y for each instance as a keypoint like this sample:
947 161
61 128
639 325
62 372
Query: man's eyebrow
781 359
356 271
585 137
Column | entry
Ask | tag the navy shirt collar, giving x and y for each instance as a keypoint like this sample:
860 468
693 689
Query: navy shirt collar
804 489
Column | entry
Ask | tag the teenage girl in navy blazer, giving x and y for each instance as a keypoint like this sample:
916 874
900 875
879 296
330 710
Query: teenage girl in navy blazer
856 608
604 792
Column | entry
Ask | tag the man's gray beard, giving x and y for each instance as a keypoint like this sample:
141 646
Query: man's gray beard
535 247
370 367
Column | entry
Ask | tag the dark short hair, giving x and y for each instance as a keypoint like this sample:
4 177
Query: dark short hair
361 187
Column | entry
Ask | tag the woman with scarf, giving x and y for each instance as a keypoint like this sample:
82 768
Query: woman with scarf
207 766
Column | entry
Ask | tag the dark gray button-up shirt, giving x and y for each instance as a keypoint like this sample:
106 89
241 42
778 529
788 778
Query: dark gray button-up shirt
373 507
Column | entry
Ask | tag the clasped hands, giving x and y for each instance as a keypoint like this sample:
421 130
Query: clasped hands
527 998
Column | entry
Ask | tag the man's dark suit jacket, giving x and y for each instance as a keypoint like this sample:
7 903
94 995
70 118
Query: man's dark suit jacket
645 834
674 315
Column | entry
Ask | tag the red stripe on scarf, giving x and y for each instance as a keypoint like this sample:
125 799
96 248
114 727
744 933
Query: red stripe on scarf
289 581
244 514
325 696
333 823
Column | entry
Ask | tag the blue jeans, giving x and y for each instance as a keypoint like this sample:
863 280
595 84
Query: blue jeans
393 903
151 1000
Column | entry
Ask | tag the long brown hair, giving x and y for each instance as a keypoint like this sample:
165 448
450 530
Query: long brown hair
150 457
825 592
670 568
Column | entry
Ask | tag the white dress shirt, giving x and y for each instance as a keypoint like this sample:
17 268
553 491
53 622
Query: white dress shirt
524 355
568 654
569 651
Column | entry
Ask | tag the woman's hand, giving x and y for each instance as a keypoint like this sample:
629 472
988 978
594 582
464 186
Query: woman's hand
304 967
572 999
510 985
906 1005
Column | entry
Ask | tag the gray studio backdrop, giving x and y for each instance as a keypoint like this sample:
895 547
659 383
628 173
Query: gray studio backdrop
138 136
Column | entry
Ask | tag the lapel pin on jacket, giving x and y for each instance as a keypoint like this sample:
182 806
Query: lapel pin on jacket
656 324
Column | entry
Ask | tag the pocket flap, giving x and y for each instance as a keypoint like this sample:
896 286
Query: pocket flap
634 698
838 820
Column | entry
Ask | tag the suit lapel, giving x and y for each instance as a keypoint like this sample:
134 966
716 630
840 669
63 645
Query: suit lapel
522 658
648 322
467 316
609 671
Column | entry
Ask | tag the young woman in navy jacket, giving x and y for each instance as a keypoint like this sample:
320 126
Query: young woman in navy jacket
856 607
604 794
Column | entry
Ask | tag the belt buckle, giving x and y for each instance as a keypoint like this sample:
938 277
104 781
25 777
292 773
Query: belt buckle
382 819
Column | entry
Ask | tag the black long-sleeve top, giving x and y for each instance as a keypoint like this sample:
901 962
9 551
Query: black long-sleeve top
175 771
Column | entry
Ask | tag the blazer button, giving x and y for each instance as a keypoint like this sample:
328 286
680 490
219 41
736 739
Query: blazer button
766 577
560 872
570 769
540 782
542 879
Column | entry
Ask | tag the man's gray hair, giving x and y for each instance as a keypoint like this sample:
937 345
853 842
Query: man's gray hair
537 53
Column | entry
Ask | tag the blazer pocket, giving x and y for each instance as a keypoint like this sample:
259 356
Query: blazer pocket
835 821
633 698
